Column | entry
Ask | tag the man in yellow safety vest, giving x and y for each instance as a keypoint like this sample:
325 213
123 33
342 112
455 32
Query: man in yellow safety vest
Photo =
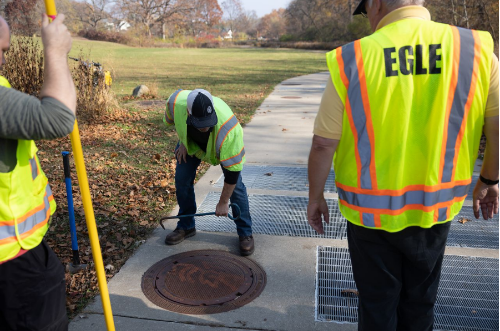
208 131
403 114
32 286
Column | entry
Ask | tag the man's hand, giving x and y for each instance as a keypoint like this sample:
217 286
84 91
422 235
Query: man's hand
485 197
316 212
56 38
222 208
181 153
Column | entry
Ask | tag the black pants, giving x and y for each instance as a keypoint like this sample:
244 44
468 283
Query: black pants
33 292
397 275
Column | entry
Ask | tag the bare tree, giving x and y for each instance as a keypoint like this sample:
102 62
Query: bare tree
150 12
91 12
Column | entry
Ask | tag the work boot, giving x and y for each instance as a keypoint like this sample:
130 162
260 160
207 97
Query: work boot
246 245
178 235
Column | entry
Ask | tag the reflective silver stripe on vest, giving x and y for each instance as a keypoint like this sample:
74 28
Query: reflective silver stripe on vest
234 160
170 107
34 168
30 222
358 113
223 131
465 70
368 220
388 202
443 214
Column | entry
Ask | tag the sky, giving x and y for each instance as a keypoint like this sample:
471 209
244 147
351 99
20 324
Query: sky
263 7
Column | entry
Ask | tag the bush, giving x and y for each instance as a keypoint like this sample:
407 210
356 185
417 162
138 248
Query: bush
110 36
24 66
94 97
24 70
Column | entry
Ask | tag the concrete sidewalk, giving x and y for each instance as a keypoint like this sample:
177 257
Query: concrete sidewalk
279 135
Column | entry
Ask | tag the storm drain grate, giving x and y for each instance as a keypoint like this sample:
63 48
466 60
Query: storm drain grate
203 282
287 216
278 178
274 215
474 233
467 295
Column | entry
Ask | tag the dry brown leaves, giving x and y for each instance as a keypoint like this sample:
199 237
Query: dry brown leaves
131 183
464 220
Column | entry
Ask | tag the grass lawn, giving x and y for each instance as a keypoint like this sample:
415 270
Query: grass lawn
129 157
241 77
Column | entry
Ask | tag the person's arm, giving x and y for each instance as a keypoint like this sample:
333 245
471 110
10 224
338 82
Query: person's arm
230 180
318 168
485 197
58 83
25 117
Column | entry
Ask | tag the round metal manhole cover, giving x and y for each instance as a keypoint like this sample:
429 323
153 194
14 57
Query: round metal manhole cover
290 97
203 282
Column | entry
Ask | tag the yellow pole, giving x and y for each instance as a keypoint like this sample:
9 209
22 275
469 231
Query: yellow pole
87 206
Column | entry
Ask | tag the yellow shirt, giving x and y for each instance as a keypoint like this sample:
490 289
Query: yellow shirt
328 123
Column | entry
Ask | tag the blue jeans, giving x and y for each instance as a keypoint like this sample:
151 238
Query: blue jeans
185 173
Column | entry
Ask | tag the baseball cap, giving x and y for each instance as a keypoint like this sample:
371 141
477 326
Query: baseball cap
360 9
201 109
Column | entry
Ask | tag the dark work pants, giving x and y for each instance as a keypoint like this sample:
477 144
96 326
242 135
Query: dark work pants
33 292
397 276
185 174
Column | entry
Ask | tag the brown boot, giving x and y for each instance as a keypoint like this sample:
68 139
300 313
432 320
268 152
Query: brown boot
178 235
246 245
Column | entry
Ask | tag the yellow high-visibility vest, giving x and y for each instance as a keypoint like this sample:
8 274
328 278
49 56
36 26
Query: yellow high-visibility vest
26 201
414 94
225 145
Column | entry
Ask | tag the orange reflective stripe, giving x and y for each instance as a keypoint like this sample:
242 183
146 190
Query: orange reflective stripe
432 188
28 214
378 222
348 110
366 104
451 95
470 98
405 208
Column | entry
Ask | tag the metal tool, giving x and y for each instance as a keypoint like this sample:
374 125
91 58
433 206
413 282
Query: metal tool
232 205
74 266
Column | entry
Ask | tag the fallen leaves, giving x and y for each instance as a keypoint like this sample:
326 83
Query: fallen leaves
349 293
464 220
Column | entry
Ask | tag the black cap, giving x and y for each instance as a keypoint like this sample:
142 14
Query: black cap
202 112
360 9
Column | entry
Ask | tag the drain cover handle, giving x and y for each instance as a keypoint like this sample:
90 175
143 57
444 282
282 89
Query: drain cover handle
234 218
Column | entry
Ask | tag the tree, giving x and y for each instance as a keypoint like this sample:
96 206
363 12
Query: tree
91 12
273 25
233 10
202 19
472 14
150 12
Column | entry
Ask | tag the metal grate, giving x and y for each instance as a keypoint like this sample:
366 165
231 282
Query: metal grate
287 216
274 215
279 178
475 233
467 295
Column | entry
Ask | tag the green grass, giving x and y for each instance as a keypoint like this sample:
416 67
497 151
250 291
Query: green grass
241 77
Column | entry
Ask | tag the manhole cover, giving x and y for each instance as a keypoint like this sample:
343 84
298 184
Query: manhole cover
290 97
203 282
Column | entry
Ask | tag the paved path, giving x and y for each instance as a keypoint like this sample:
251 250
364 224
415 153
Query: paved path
279 135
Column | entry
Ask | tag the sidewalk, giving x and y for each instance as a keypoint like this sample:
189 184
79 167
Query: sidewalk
278 138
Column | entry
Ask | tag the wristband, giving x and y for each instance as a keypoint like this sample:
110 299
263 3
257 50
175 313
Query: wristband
488 181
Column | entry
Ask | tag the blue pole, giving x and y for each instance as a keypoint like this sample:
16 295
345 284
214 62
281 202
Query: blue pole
71 210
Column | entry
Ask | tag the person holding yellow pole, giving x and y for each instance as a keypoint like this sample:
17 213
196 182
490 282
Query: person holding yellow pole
32 286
